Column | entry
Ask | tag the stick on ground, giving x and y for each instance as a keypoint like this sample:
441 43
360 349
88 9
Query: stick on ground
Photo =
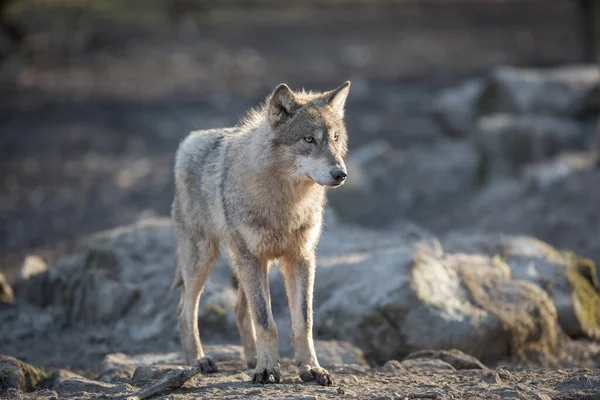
171 381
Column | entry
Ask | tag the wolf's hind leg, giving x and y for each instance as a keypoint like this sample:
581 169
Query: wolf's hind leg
299 274
196 261
246 327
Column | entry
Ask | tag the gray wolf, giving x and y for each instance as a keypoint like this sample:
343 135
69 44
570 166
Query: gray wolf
259 190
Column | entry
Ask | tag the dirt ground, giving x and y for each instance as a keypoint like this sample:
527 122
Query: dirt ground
413 379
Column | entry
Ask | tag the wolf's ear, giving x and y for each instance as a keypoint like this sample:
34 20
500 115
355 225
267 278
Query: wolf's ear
282 105
336 99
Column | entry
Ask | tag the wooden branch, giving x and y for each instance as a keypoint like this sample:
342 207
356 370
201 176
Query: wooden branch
171 381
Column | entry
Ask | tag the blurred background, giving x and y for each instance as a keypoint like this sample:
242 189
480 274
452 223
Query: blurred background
463 116
96 95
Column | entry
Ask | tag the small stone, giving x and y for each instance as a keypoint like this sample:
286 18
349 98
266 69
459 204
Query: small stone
393 367
491 377
32 265
507 393
504 374
433 394
6 292
349 380
47 394
541 396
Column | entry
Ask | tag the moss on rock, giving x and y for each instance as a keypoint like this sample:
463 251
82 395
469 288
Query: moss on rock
586 298
19 375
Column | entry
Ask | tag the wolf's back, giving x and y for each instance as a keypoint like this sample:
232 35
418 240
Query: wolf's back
196 148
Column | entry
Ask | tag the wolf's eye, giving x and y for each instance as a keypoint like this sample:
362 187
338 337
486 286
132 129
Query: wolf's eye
336 137
309 139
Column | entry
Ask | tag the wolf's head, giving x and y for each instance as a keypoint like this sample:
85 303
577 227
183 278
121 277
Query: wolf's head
309 135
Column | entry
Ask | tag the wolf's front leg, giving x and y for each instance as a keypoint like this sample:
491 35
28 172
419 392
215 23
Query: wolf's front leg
299 273
253 275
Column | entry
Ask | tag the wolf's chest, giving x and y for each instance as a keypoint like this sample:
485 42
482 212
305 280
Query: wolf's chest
279 232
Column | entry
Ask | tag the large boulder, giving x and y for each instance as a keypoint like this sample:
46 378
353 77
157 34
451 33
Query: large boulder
121 279
455 108
16 374
506 143
86 288
560 92
569 280
544 174
564 92
387 184
393 300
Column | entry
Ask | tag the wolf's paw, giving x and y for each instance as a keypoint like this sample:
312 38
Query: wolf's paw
323 378
207 365
266 376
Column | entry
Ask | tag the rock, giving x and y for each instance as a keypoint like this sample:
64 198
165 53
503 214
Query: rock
542 175
122 279
385 184
425 363
347 369
570 281
86 288
564 92
116 375
506 143
77 386
406 298
456 358
560 92
6 292
506 393
122 361
62 375
491 377
33 265
46 394
455 108
153 372
16 374
393 367
339 352
431 394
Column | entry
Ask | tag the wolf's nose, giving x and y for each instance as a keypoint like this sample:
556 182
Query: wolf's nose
339 175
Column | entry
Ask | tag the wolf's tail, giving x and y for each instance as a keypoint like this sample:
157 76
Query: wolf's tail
178 280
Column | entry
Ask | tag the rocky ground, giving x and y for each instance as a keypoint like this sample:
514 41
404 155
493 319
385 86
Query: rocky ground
441 375
469 222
